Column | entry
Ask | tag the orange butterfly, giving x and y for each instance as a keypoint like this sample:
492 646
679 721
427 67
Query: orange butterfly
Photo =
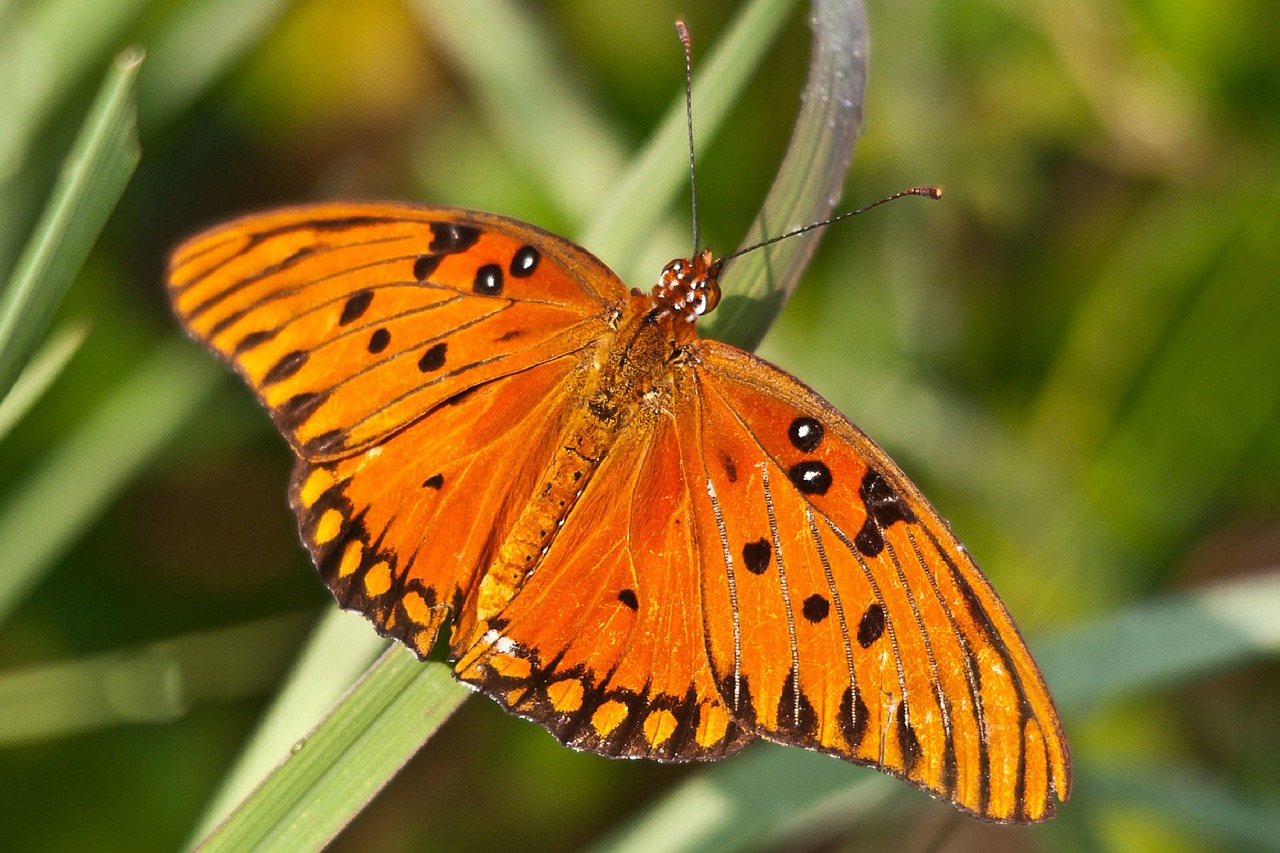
652 544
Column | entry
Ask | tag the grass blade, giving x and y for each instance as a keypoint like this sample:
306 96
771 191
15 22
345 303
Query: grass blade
96 173
39 374
330 776
156 683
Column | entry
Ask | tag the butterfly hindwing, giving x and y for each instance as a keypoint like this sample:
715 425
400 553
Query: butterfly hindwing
351 320
602 644
842 614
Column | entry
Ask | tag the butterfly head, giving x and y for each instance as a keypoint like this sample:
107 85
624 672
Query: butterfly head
690 287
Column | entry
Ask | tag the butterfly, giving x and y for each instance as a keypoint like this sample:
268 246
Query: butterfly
652 544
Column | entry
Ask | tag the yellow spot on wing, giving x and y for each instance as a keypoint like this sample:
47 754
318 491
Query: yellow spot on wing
351 557
510 666
658 726
317 483
329 526
565 694
712 726
416 608
378 579
608 717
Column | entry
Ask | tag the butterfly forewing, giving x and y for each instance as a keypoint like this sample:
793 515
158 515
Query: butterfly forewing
866 630
352 320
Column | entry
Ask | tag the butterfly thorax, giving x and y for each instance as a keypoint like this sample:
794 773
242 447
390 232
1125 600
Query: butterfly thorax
625 380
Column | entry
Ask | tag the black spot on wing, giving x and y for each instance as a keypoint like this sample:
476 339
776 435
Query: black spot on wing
435 481
355 307
755 556
379 341
524 262
254 339
433 358
871 626
449 238
488 280
853 717
805 434
795 713
324 443
908 743
816 608
425 265
287 366
294 412
628 597
884 506
810 477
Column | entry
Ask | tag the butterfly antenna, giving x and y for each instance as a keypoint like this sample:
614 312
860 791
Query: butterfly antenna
926 191
682 30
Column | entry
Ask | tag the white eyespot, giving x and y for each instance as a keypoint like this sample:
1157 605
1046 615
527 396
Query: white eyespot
504 645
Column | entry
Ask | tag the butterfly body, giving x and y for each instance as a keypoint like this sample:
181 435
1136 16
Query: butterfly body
652 544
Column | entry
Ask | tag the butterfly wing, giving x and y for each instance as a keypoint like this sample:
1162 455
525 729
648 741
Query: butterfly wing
351 321
841 612
603 644
400 531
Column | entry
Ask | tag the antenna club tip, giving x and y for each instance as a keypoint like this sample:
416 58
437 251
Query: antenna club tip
928 191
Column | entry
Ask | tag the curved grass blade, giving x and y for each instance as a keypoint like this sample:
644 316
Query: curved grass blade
40 373
93 178
808 184
333 773
156 683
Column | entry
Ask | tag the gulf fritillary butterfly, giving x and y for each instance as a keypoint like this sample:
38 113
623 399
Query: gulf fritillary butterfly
652 544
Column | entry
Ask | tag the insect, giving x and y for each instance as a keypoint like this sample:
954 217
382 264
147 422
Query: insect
652 544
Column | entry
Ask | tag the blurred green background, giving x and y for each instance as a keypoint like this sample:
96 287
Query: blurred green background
1076 355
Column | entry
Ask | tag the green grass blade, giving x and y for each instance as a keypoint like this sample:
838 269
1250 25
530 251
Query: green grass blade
645 193
43 515
541 116
331 775
46 49
156 683
1154 645
96 173
808 183
39 374
750 802
339 649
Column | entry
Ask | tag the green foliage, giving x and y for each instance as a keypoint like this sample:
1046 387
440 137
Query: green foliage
1074 353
